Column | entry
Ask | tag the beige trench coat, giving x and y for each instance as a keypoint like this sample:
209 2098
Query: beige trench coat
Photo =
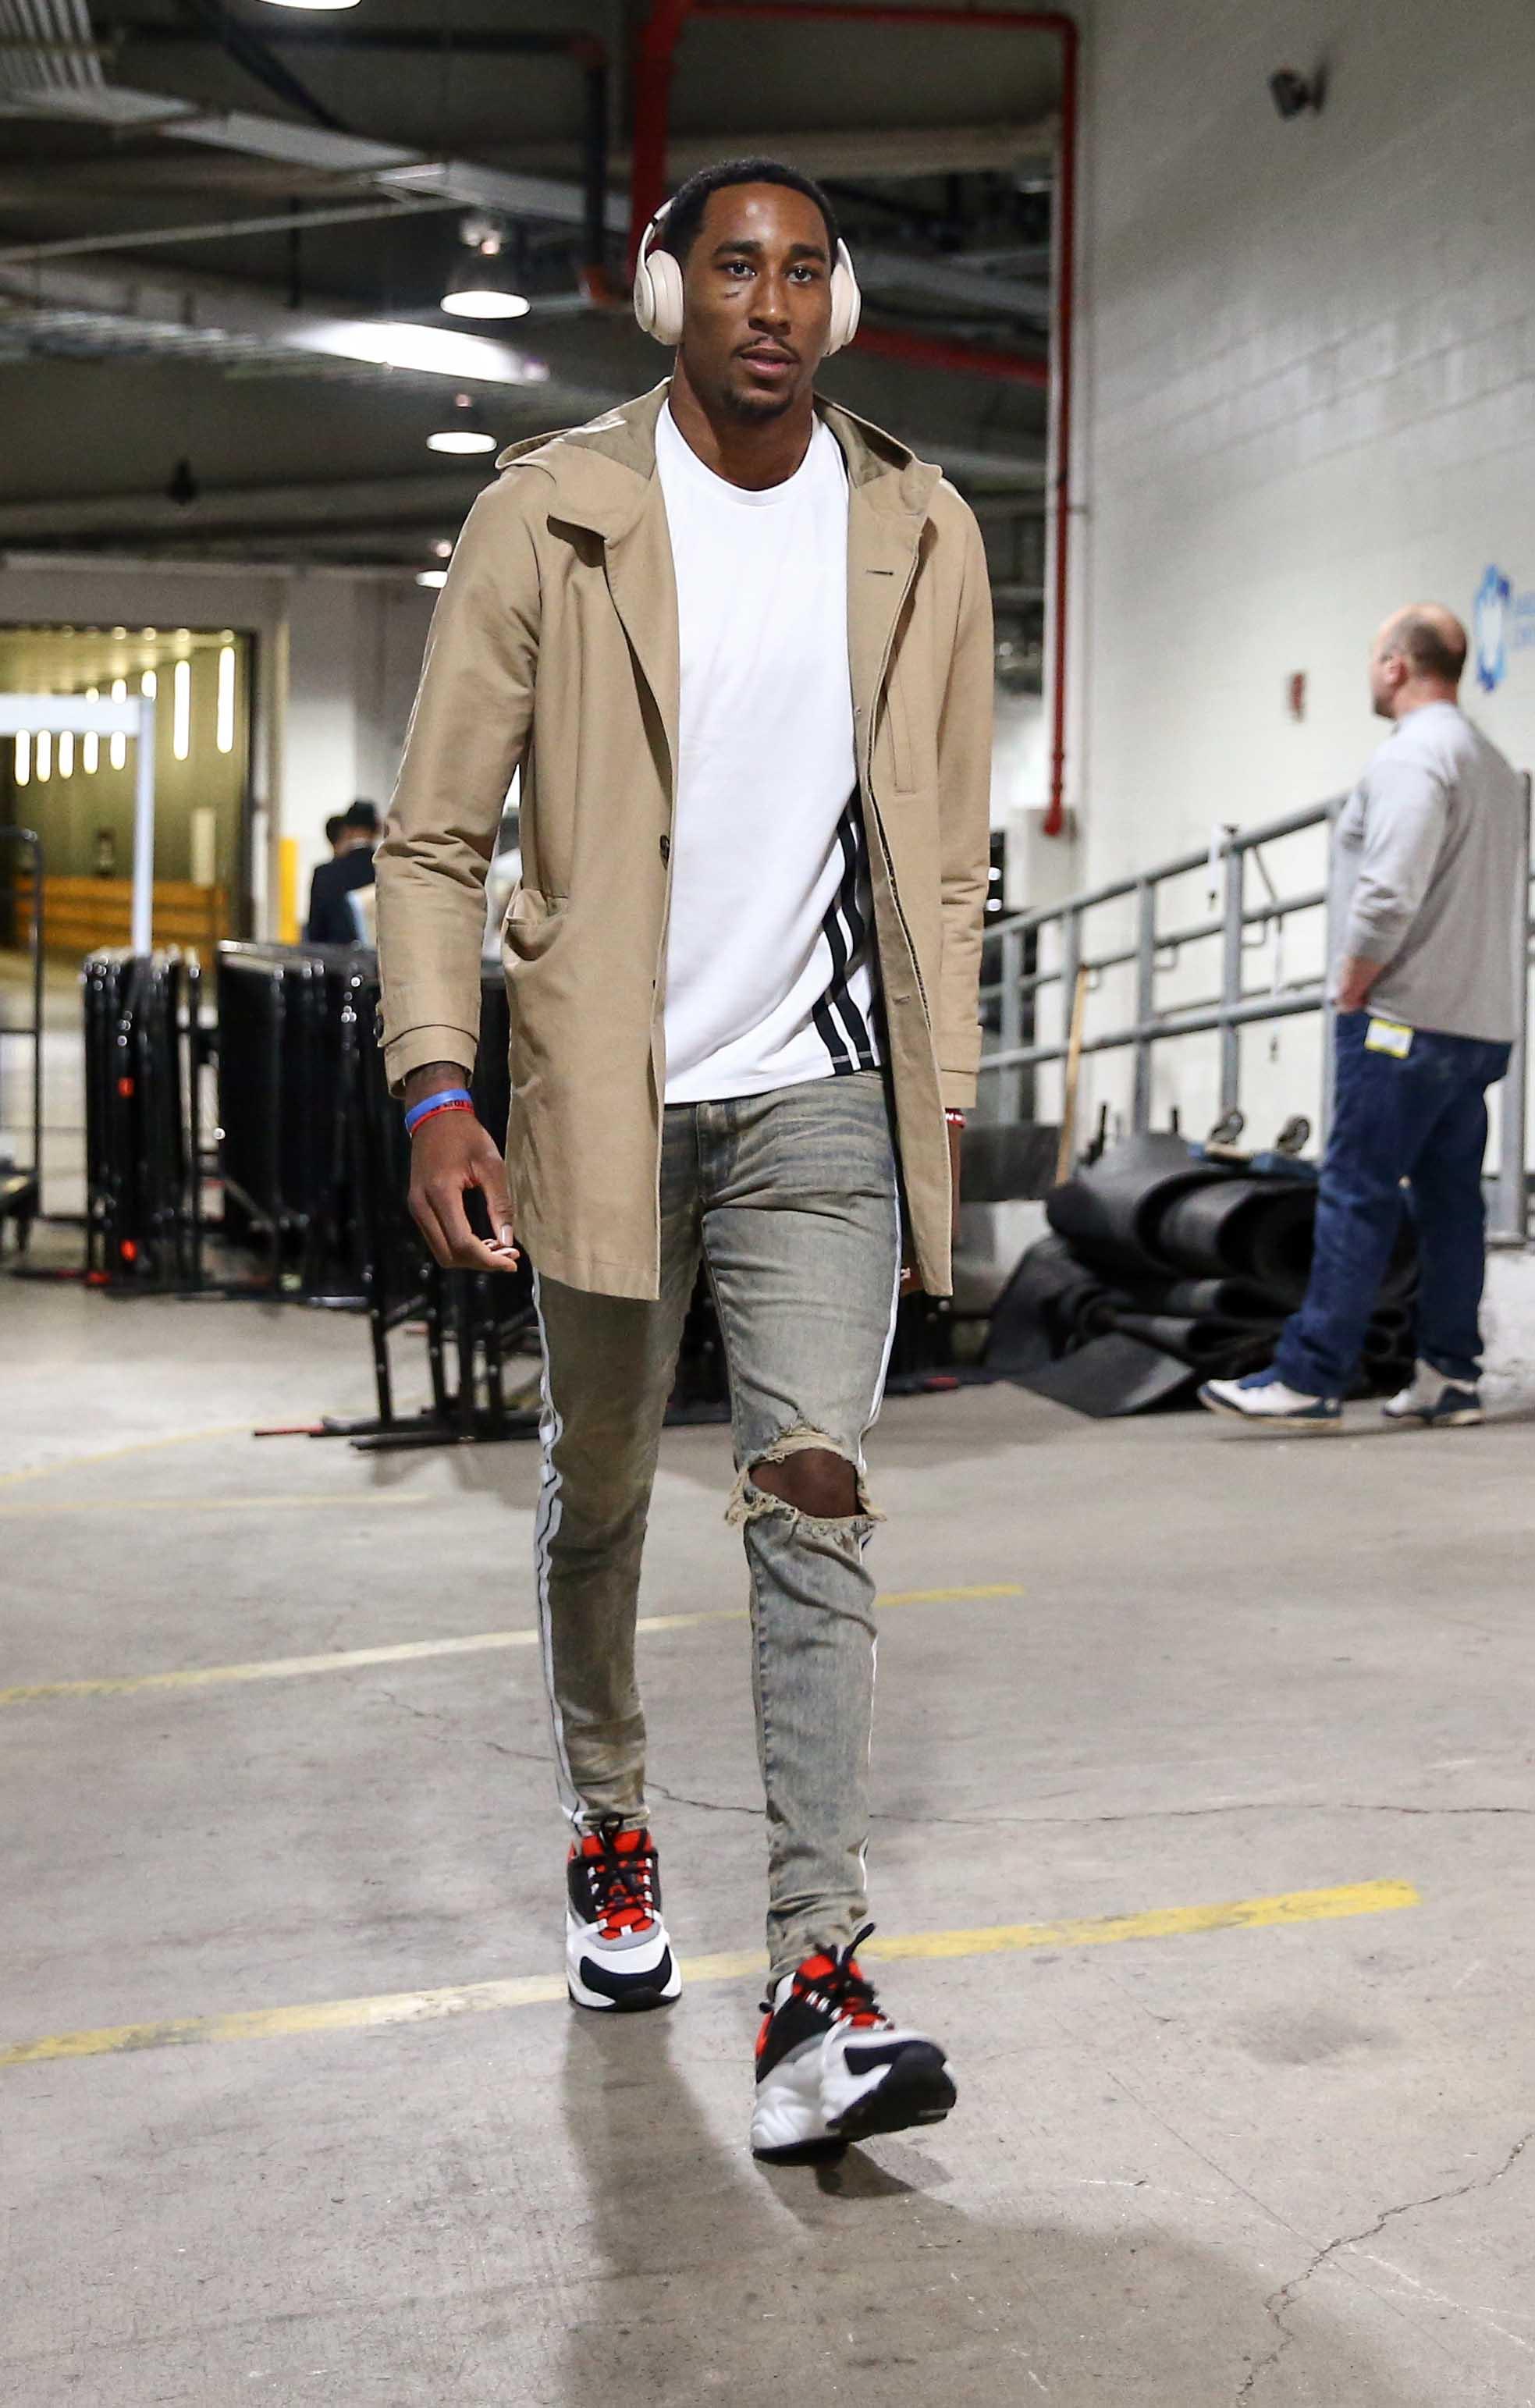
553 649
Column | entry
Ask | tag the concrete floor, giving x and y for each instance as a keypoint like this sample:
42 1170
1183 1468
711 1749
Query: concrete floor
1286 2163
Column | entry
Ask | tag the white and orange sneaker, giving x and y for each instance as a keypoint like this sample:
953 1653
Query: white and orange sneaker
831 2065
617 1952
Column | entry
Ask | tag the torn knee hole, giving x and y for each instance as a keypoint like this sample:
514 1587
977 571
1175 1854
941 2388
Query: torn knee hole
807 1474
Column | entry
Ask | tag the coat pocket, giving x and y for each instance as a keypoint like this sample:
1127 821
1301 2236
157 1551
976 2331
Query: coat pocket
897 719
531 924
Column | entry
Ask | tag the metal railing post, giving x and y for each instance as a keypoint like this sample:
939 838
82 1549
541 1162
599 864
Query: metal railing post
1145 999
1010 1082
1231 926
1330 934
1511 1217
1070 965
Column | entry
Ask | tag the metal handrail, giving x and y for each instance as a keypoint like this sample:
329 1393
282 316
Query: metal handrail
31 842
1018 1049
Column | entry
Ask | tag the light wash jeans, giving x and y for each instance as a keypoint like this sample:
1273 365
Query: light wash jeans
791 1198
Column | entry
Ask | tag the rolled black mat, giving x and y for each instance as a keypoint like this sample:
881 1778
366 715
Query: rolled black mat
1005 1159
1110 1210
1212 1347
1040 1310
1113 1376
1229 1299
1257 1229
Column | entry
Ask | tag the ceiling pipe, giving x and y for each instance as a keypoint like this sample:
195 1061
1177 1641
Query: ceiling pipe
654 67
205 20
962 359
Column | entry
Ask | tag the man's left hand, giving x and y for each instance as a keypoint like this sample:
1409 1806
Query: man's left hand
1355 977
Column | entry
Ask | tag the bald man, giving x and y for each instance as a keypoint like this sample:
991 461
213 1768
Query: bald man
1430 873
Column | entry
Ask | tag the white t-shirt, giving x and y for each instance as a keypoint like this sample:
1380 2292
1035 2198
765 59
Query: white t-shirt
769 955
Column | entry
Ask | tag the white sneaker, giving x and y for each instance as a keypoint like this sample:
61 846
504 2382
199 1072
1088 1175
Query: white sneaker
1435 1401
1265 1401
617 1952
833 2068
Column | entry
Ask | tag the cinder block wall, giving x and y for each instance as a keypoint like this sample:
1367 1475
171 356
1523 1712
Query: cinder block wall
1307 352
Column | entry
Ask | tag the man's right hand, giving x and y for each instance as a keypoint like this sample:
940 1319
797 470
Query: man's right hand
450 1152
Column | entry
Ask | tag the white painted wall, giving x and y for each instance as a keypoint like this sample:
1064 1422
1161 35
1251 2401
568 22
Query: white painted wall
347 649
1307 353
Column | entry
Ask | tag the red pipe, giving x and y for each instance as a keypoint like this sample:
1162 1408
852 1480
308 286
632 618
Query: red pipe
653 61
965 359
652 91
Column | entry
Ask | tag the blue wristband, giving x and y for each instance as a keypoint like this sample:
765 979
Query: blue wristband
433 1103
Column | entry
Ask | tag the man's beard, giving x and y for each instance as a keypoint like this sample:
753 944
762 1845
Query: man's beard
756 409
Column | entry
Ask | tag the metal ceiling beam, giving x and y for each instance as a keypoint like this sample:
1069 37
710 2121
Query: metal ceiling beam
221 230
390 165
180 307
354 503
247 48
953 280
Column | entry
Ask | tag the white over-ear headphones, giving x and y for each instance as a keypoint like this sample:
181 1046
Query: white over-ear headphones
658 292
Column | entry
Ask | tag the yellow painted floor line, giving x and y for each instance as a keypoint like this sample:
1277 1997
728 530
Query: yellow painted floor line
116 1453
284 1667
531 1990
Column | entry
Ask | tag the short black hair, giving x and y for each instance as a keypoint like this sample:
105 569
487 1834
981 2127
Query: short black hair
679 229
335 828
362 815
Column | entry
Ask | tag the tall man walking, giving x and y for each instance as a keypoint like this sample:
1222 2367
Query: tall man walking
739 644
1430 874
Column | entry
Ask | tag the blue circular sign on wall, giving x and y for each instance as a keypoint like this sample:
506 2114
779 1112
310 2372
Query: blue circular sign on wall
1489 629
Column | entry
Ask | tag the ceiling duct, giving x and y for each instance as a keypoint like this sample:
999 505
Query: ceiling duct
48 46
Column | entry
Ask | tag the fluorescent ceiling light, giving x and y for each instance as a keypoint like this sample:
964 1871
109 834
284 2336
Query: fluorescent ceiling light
224 734
180 710
312 4
426 350
431 577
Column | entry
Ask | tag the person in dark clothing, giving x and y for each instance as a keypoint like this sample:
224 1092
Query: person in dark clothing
332 919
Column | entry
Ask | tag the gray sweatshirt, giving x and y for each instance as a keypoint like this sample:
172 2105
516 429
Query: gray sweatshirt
1430 877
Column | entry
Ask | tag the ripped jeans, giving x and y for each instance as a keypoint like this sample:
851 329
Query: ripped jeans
790 1199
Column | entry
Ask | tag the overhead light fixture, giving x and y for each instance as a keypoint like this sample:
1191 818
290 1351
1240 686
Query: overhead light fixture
180 710
421 350
433 577
312 4
461 428
224 729
483 285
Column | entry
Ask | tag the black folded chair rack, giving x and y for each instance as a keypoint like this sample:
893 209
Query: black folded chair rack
143 1052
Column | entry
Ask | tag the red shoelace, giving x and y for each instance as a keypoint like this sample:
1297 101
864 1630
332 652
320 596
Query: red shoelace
621 1879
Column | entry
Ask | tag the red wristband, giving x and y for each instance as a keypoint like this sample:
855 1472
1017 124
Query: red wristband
432 1111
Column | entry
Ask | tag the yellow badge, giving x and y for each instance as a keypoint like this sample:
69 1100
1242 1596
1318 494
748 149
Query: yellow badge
1388 1036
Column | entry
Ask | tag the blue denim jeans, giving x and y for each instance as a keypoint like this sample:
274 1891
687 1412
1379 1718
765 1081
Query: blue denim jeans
1422 1119
791 1201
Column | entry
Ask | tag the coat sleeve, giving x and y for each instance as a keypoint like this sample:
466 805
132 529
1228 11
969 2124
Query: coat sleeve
1407 818
467 735
964 772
